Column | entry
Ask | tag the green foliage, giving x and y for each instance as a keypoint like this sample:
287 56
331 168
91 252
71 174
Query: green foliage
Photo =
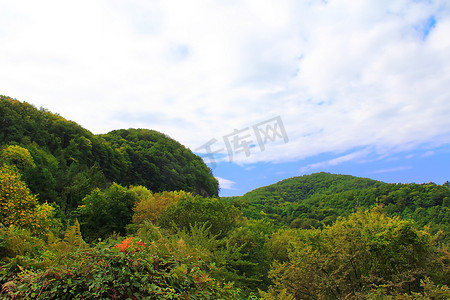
316 200
44 220
198 244
191 210
150 205
161 163
70 161
60 150
280 244
16 241
300 188
73 237
129 269
19 207
106 212
282 294
251 239
17 203
356 255
18 156
431 291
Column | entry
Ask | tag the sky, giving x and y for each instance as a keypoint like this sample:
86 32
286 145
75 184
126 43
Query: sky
261 90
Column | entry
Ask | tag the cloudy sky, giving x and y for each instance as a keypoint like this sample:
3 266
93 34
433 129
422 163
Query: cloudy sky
263 90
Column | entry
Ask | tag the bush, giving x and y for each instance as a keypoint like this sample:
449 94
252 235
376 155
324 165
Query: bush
130 269
19 207
364 252
220 216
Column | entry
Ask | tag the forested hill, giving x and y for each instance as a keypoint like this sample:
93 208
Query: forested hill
299 188
160 163
318 199
68 161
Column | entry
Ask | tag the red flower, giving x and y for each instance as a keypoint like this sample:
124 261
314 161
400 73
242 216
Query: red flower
126 243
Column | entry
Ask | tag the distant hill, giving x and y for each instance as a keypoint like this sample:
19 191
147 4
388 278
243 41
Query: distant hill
319 199
70 161
299 188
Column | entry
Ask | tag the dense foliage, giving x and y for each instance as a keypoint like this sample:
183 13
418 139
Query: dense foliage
66 162
131 216
160 163
365 253
116 269
105 212
318 199
19 207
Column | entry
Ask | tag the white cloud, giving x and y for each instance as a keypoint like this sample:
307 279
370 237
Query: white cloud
428 154
358 155
342 75
395 169
225 184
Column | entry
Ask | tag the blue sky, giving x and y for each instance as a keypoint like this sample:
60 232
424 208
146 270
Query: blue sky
359 87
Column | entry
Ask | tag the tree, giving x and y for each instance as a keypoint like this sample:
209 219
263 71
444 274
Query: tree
106 212
365 251
151 205
250 239
18 156
16 201
19 207
192 210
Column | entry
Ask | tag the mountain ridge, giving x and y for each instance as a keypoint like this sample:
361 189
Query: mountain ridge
319 199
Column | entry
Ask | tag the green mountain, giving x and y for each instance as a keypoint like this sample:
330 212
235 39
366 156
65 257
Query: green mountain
160 163
299 188
70 161
319 199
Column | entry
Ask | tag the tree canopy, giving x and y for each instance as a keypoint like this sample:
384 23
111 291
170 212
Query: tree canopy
317 200
160 163
62 162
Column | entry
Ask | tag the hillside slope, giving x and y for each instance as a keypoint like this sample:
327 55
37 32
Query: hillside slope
319 199
160 163
70 161
299 188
